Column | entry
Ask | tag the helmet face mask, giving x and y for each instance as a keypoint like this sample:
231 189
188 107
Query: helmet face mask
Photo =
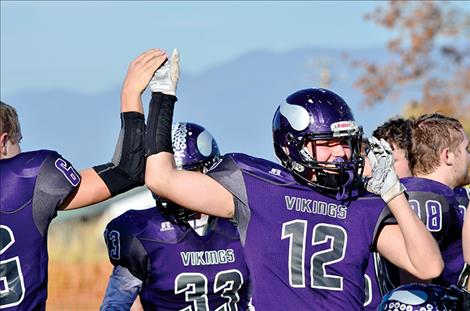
176 214
323 118
194 150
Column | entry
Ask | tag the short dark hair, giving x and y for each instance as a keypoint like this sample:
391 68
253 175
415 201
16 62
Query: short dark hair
9 122
395 131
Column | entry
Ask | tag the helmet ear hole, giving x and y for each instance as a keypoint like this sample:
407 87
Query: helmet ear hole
289 137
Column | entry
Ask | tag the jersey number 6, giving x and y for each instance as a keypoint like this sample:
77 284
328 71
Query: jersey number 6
11 279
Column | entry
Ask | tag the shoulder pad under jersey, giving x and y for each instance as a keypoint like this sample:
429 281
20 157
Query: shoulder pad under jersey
149 224
257 167
426 185
24 169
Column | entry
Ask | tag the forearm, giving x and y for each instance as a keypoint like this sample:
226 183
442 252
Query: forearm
126 170
192 190
123 289
422 250
160 165
92 190
131 100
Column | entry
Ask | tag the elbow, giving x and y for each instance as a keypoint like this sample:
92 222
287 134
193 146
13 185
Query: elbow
153 185
438 268
467 257
433 269
152 182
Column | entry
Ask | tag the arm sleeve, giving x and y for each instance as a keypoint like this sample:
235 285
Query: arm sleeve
158 132
122 290
127 168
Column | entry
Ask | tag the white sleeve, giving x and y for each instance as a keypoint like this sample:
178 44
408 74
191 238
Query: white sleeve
122 290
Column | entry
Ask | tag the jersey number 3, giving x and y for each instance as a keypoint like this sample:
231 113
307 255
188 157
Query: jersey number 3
194 285
11 278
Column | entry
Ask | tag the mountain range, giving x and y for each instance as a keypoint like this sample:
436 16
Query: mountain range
235 101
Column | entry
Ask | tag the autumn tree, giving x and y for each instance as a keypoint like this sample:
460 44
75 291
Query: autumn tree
430 54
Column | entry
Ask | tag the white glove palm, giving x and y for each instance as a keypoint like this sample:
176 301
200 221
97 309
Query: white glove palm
166 77
384 180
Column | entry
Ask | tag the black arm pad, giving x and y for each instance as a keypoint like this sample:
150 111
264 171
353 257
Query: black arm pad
158 132
127 169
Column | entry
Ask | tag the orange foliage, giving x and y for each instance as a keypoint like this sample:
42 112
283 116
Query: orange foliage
441 70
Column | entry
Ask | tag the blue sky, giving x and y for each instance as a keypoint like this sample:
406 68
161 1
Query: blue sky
85 46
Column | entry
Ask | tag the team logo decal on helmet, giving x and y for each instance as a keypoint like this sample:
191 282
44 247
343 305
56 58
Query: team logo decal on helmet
313 115
298 116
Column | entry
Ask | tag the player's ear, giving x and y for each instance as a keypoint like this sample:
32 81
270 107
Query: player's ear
3 143
447 157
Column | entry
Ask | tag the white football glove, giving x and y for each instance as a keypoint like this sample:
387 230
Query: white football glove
384 180
166 77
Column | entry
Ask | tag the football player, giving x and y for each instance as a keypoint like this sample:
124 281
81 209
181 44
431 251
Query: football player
380 277
440 162
175 258
307 227
35 185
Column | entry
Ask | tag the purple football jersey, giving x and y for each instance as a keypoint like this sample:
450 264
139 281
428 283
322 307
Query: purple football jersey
305 250
437 207
435 204
32 187
180 269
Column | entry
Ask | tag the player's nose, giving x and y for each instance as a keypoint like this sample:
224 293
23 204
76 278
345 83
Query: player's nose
338 151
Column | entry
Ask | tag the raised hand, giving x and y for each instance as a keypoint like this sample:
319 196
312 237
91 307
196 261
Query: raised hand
384 180
166 77
141 70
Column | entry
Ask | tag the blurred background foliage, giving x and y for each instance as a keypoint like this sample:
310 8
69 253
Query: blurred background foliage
431 52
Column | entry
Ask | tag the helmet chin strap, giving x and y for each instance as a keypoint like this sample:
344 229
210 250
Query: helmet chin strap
333 180
342 194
